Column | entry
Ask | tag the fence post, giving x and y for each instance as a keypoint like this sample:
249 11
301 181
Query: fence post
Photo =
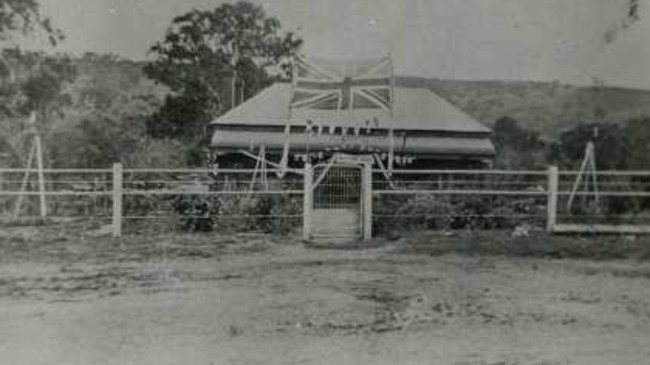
367 201
553 177
308 202
41 177
117 200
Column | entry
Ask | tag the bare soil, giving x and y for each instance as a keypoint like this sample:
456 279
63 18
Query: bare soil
213 299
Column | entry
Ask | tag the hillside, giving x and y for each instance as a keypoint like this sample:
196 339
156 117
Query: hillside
547 107
120 88
105 82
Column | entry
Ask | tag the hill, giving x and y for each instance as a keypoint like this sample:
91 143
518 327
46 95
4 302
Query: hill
106 82
119 88
549 108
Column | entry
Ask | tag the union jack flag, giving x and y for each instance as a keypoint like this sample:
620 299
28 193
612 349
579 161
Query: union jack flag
342 85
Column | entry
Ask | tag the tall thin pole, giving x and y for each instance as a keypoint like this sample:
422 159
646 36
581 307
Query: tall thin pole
234 61
41 178
367 201
233 90
553 182
118 185
23 187
308 201
391 154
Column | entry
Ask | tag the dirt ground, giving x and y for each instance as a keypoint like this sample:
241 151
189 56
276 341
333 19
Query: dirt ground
257 300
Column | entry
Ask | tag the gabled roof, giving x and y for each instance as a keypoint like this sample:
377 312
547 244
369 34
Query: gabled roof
414 109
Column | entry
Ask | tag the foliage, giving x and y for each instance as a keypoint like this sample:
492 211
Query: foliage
611 142
95 142
548 107
537 244
238 213
19 17
110 84
156 153
632 15
183 116
103 118
516 147
445 213
637 131
23 16
199 53
38 84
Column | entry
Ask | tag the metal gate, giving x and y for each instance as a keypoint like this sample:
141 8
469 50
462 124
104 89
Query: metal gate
338 199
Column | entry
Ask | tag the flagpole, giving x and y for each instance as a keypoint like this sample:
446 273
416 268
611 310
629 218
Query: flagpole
391 155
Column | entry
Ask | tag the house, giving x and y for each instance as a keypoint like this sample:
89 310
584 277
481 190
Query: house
423 130
341 119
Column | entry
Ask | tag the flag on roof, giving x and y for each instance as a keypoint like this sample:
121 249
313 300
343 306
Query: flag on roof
343 85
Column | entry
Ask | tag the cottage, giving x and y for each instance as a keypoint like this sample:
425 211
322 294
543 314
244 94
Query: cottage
416 129
338 114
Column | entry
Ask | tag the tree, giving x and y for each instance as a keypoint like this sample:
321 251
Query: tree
632 15
23 16
517 147
29 81
612 146
637 132
38 85
200 52
20 17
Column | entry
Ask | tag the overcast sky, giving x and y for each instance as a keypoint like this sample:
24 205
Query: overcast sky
462 39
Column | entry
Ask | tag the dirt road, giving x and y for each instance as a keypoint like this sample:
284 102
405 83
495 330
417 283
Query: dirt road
276 303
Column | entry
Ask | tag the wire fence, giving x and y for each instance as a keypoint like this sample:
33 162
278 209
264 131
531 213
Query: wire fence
614 198
196 200
70 194
456 199
159 200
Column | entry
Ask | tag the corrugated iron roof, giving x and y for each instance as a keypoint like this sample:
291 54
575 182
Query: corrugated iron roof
414 109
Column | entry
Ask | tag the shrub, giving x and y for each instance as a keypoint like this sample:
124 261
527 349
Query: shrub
268 214
443 212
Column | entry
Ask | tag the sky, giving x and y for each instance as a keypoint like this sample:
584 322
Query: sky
540 40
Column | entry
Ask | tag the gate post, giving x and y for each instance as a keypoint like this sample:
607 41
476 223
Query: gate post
117 200
553 177
367 201
308 202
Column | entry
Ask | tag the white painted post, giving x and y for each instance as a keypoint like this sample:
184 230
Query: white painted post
553 177
23 186
367 201
117 200
41 177
308 202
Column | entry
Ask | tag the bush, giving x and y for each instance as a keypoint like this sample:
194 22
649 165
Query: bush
268 214
442 212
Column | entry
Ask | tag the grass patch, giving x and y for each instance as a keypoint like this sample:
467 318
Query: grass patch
538 244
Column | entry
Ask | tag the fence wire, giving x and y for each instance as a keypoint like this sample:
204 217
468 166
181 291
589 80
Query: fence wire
248 201
451 200
608 197
69 195
232 200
